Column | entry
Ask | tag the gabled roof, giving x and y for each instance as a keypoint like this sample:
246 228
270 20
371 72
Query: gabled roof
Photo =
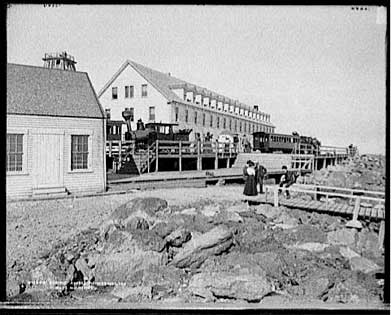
163 82
35 90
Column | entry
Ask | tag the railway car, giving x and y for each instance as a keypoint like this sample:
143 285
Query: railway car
283 143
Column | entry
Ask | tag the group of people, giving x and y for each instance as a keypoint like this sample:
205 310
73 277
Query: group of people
254 174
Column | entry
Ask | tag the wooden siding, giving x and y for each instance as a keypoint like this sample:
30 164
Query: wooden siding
92 180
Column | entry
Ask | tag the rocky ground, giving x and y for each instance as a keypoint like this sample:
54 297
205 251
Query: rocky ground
361 172
188 246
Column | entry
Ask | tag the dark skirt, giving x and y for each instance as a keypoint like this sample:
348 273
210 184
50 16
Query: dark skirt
250 186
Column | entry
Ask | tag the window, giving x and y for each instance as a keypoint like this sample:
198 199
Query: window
186 115
218 122
203 119
144 91
230 124
211 120
152 113
176 113
245 127
240 126
129 91
79 151
224 122
236 125
195 117
108 113
114 93
14 152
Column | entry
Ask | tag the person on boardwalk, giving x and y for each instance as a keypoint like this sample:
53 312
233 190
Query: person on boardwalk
287 179
250 186
260 172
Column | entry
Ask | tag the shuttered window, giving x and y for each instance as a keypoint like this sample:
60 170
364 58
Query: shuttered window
14 152
79 152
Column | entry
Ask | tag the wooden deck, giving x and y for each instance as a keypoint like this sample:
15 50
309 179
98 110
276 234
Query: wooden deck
365 211
212 174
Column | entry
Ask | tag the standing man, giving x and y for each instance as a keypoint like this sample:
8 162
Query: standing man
287 179
260 175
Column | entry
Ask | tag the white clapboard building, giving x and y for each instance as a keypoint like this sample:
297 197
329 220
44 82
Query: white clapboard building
154 96
55 133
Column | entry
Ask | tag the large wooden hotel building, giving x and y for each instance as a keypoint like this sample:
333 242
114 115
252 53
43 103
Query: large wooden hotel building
154 96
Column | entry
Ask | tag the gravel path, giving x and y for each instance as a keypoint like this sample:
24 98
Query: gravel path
34 226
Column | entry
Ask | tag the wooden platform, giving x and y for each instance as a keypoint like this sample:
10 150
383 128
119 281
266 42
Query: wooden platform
207 175
319 206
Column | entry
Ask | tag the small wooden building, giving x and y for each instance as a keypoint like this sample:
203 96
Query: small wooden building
55 133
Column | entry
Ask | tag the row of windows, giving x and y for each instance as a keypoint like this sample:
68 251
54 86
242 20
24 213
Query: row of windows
151 112
129 91
15 150
223 122
229 108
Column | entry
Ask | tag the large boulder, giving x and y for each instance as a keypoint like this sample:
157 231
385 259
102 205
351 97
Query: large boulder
363 264
310 246
344 236
138 213
368 244
178 237
348 291
268 211
124 259
199 248
242 284
303 233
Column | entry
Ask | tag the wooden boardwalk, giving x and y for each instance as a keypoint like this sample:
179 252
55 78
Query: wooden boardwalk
364 210
319 206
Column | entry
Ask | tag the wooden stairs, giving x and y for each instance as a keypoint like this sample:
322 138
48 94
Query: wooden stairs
136 163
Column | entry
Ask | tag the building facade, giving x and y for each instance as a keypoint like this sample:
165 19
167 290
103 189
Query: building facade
154 96
55 133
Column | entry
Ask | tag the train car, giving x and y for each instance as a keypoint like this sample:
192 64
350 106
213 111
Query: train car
274 142
283 143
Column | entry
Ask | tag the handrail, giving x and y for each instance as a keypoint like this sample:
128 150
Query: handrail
326 193
340 188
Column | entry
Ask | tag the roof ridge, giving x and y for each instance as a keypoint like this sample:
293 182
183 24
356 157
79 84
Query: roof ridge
41 67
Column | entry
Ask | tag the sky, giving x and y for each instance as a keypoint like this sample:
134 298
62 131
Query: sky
317 70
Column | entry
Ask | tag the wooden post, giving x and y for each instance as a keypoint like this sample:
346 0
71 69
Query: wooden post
356 208
133 147
199 161
381 234
324 162
157 156
148 160
120 153
327 201
216 155
227 162
180 156
276 196
110 147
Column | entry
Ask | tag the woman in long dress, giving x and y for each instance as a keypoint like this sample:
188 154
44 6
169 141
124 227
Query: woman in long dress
250 186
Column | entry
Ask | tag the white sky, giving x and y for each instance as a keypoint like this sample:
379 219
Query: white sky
318 70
